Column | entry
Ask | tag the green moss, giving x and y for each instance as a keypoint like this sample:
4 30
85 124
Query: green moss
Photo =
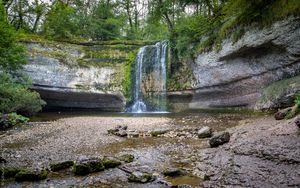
279 88
82 87
10 172
110 162
127 158
26 175
96 166
88 167
61 166
127 82
81 169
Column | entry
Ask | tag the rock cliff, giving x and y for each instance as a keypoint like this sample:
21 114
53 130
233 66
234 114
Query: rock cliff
79 76
238 75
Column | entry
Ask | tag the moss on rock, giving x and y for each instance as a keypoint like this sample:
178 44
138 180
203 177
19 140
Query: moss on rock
10 172
26 175
127 158
61 166
81 169
110 162
89 166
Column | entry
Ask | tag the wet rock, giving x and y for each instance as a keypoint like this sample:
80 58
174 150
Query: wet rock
297 121
10 172
127 158
110 162
122 127
61 166
204 132
219 139
158 132
141 177
173 172
112 131
26 175
121 133
87 166
2 160
133 134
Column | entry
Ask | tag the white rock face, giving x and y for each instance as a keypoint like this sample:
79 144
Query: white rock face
63 83
236 75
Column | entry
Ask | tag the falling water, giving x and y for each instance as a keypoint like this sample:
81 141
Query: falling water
150 71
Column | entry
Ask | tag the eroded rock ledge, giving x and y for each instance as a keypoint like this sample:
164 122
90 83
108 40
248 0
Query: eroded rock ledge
237 75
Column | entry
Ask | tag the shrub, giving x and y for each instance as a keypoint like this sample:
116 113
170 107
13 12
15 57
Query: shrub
10 120
16 97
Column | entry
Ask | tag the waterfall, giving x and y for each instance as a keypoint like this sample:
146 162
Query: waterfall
149 92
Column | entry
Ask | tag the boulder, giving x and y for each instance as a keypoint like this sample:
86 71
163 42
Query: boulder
26 175
281 114
86 166
61 166
140 177
158 132
219 139
118 131
121 133
204 132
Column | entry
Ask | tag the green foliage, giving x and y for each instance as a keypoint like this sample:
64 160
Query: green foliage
16 97
12 55
11 120
105 25
60 22
197 33
190 30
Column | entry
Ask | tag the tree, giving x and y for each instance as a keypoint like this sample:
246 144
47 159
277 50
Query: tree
12 55
105 24
38 9
60 22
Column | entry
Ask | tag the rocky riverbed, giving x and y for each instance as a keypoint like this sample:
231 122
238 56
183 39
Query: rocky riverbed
261 152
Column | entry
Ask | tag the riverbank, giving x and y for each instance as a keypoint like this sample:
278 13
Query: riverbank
261 152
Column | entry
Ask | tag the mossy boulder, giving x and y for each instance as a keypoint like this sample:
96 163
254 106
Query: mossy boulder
61 166
88 166
127 158
158 132
10 172
110 162
81 169
26 175
141 177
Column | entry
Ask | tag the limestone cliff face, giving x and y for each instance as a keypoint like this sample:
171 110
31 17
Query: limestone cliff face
76 76
237 75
